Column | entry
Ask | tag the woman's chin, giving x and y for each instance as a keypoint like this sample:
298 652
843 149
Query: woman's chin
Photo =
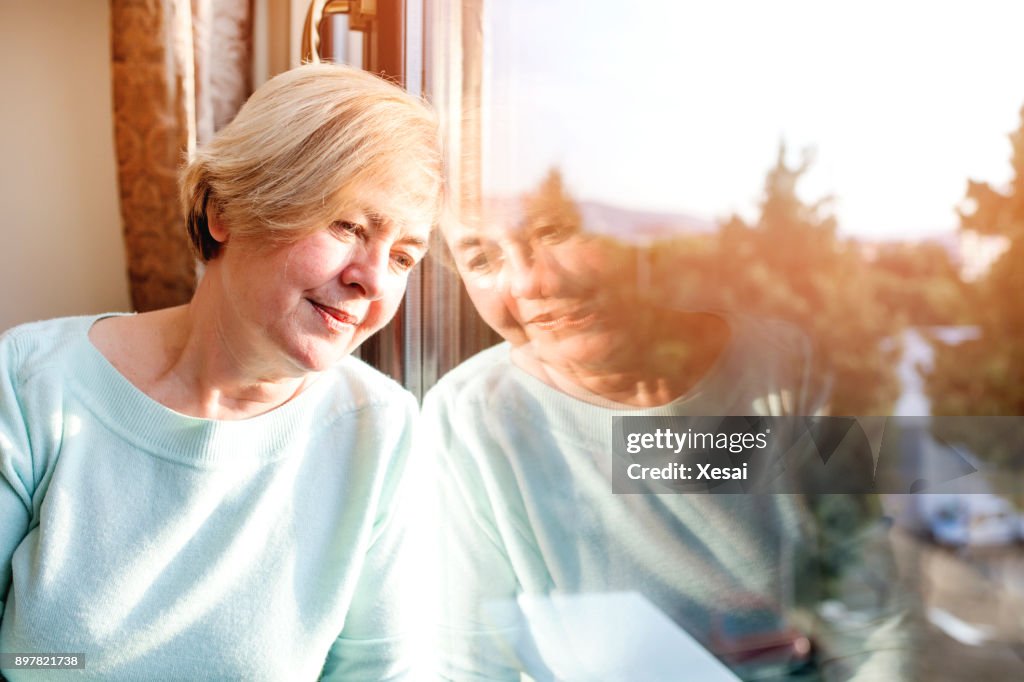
597 350
320 356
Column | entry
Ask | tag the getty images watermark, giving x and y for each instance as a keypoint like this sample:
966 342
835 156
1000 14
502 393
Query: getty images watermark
810 455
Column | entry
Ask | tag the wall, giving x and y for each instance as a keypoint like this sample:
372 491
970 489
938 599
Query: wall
61 251
276 36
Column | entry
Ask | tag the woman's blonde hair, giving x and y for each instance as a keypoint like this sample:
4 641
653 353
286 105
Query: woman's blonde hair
299 149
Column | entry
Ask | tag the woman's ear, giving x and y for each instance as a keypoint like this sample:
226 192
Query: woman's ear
215 224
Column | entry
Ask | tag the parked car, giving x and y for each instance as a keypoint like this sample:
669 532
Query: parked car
758 641
979 520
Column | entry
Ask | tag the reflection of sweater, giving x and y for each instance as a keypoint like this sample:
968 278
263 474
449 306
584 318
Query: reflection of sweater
525 477
164 546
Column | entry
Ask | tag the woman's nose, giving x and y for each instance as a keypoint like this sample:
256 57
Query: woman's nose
528 273
367 271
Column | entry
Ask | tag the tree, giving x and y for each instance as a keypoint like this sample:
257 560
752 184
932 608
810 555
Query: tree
985 376
790 264
919 283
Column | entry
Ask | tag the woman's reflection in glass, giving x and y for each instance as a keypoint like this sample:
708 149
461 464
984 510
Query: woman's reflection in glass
522 433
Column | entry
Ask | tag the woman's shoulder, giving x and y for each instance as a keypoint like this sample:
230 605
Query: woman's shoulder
34 368
53 330
356 385
35 346
770 368
476 379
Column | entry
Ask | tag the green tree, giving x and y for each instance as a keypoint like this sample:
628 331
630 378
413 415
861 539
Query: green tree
791 264
550 208
919 283
985 376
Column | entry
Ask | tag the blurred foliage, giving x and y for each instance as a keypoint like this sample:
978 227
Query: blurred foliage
549 210
790 264
921 284
985 376
848 297
852 298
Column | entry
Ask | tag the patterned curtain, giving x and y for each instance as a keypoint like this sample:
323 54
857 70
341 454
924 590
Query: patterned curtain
181 70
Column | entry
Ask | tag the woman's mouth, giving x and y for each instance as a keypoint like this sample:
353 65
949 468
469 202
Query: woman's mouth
562 321
336 320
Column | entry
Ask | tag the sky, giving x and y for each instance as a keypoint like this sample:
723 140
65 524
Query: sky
680 105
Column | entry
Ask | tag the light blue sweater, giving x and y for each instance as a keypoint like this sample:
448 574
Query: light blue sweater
169 547
528 508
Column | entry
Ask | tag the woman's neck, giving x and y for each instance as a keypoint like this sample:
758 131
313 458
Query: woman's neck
682 349
193 359
220 375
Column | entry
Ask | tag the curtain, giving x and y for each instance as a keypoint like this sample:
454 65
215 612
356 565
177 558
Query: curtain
181 69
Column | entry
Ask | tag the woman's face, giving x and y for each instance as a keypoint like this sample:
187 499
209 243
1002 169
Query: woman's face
569 296
303 306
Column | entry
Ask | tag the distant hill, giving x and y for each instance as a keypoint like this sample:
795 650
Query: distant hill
639 226
971 253
626 224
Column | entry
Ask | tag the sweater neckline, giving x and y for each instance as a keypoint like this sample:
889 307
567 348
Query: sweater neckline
592 419
159 430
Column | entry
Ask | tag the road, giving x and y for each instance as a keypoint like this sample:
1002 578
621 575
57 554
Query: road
974 604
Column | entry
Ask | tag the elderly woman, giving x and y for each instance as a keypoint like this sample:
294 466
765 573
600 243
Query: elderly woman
523 434
208 491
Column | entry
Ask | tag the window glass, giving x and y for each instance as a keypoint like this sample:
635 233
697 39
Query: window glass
755 409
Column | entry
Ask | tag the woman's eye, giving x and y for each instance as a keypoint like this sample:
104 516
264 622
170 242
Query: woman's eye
345 227
404 261
551 233
480 263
